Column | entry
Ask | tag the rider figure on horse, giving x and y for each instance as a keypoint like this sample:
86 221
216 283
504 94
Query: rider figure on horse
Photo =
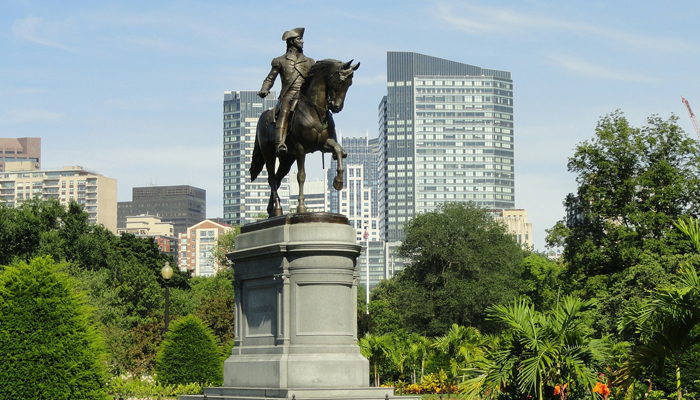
293 68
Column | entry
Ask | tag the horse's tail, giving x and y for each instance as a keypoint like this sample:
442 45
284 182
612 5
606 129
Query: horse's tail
258 160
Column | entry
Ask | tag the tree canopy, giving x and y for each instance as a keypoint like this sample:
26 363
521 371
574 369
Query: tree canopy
462 261
633 183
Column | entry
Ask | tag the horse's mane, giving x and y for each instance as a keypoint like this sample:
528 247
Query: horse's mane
321 68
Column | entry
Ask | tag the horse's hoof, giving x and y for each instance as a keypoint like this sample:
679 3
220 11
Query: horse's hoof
338 183
281 150
278 212
301 209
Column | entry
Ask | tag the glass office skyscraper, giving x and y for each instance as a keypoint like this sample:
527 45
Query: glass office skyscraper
244 200
445 134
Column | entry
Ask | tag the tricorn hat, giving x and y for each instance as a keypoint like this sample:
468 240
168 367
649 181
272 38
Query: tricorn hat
293 33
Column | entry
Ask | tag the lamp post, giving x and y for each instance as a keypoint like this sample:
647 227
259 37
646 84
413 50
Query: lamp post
166 272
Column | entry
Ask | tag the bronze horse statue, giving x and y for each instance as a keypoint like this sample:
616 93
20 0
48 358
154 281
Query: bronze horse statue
310 129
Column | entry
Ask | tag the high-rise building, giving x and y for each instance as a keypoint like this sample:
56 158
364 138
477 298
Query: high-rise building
384 263
20 150
244 200
358 198
197 247
181 205
23 180
315 194
445 135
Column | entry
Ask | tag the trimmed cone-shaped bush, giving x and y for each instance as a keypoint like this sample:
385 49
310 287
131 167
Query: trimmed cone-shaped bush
50 348
189 354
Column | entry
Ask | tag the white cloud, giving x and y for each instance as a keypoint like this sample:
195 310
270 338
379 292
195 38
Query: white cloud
16 116
600 72
35 30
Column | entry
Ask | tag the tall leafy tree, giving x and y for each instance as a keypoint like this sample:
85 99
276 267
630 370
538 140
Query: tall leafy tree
462 261
632 184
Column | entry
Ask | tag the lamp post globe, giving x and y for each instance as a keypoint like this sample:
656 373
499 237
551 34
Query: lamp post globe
167 272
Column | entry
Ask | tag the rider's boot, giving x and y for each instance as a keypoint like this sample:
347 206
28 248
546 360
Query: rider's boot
280 135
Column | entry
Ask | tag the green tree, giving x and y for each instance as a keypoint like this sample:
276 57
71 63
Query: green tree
540 281
462 261
190 353
461 345
537 349
419 348
50 346
216 303
22 228
377 349
633 183
666 321
120 274
225 244
397 307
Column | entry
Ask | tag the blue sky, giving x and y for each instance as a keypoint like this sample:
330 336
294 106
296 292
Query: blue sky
134 89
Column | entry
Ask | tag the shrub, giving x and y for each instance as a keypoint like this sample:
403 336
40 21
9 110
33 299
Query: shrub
50 347
146 387
189 354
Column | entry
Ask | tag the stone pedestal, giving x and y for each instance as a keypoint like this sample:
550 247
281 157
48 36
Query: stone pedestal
296 313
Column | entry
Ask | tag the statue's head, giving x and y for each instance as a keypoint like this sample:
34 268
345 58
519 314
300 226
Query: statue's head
294 38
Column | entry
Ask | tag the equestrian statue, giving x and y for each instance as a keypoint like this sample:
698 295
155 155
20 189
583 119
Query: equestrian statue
302 121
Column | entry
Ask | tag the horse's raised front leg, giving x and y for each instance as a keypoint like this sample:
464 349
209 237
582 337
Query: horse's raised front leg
301 177
338 152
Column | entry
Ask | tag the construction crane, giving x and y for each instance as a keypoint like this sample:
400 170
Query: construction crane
692 116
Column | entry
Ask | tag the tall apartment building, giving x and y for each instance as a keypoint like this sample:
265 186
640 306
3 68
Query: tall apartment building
445 134
20 150
197 245
244 200
23 180
181 205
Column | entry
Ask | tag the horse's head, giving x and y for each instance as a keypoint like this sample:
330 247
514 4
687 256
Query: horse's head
338 84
